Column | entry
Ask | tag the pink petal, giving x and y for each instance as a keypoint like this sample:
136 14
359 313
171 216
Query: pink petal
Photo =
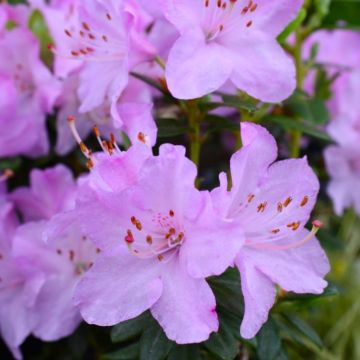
261 67
117 288
186 308
196 68
259 296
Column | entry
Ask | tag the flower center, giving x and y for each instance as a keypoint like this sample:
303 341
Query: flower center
161 242
222 15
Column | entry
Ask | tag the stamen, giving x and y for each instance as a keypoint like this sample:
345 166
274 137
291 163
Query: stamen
7 174
316 225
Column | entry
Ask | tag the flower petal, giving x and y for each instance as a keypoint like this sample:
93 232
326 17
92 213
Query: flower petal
196 68
186 308
118 287
261 67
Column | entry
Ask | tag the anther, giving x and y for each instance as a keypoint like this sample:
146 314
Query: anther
304 201
287 201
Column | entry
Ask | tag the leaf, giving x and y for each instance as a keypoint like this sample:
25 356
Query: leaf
239 103
129 329
292 26
154 345
331 290
304 329
171 127
185 352
312 110
269 342
289 123
38 26
227 290
130 352
224 344
343 10
147 80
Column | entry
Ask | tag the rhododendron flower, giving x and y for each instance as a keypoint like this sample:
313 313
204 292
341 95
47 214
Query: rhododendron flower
106 39
19 285
52 191
230 39
343 166
132 114
160 238
273 201
57 248
63 259
29 92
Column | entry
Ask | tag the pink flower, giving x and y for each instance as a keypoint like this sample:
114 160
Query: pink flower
108 41
234 40
52 191
132 114
55 246
343 166
63 259
30 92
160 238
20 283
273 201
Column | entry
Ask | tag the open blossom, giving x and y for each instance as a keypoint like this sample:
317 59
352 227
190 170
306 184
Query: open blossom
132 114
343 166
20 283
230 40
63 254
106 40
29 94
273 201
52 191
160 237
56 247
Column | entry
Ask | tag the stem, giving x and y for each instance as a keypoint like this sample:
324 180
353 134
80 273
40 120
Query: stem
300 75
195 118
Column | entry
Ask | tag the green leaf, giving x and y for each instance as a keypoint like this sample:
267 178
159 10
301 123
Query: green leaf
10 163
331 290
154 345
304 329
155 84
312 110
288 123
292 26
130 329
224 344
130 352
269 341
38 26
227 290
171 127
239 102
343 10
185 352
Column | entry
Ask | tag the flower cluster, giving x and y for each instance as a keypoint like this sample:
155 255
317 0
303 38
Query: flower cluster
135 232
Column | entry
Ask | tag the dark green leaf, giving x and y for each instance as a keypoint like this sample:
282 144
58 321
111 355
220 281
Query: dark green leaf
185 352
131 328
269 342
155 84
239 103
154 345
289 123
171 127
343 10
227 291
331 290
130 352
304 328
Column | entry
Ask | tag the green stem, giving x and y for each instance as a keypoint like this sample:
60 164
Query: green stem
195 118
300 75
